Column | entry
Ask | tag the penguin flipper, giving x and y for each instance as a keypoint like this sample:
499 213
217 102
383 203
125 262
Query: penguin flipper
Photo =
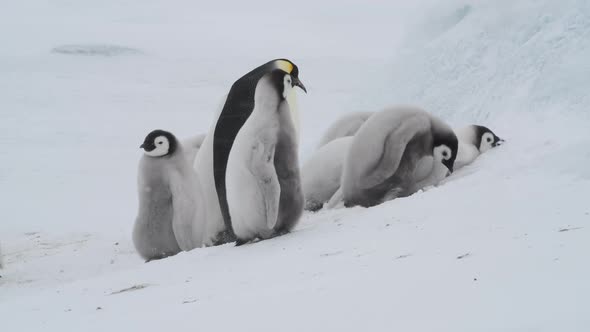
390 136
240 242
335 200
262 168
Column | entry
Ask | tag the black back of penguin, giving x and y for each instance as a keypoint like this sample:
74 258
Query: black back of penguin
237 109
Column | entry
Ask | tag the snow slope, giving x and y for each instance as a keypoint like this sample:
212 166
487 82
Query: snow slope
502 245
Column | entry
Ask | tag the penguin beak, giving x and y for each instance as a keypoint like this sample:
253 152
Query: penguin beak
147 146
499 142
297 82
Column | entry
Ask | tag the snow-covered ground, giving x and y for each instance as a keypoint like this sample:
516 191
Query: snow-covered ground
502 245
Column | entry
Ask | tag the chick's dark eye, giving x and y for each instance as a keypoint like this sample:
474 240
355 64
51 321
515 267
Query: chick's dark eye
445 154
489 139
159 142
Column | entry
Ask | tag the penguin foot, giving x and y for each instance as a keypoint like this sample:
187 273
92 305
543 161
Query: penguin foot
225 236
240 242
281 232
313 206
154 259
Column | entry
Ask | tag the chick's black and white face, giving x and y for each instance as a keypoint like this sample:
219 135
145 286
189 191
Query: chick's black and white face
487 139
446 155
160 147
158 143
442 153
487 142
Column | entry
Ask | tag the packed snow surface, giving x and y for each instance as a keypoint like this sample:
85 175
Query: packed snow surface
501 245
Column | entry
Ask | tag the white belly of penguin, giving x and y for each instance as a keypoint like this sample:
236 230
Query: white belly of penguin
246 202
466 154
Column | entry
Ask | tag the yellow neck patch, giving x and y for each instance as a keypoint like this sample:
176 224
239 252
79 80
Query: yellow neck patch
285 65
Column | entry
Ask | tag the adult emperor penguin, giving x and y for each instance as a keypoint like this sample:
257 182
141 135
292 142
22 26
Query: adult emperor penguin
394 153
211 161
473 141
171 210
347 125
320 174
263 183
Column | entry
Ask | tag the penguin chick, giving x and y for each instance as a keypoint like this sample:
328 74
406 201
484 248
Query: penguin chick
473 141
395 152
171 209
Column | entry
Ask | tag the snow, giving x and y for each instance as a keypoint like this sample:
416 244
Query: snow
501 245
